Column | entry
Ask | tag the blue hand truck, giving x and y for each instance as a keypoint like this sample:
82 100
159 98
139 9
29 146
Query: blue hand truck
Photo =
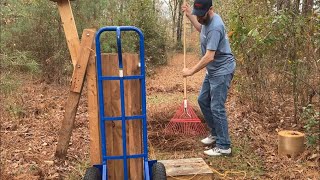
153 170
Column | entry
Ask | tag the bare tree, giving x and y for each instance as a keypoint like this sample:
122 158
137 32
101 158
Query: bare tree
307 6
173 7
296 6
283 5
279 5
179 23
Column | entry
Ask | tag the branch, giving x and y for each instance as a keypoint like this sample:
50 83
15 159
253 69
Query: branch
309 85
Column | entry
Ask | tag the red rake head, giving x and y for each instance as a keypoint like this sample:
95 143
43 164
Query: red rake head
186 122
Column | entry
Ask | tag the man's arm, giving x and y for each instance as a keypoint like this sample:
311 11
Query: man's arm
187 9
205 60
194 22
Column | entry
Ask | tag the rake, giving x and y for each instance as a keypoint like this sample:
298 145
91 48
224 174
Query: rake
185 121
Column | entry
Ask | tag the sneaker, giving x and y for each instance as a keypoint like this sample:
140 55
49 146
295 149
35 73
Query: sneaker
209 140
218 152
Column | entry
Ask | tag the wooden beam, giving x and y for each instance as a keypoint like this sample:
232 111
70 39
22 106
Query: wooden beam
133 107
93 111
70 28
65 132
74 96
82 62
194 168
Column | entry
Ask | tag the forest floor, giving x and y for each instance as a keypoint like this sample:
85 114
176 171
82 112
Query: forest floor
31 119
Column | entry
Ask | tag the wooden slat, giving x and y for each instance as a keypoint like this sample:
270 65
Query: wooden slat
133 107
194 168
93 111
82 60
113 108
74 97
107 91
70 29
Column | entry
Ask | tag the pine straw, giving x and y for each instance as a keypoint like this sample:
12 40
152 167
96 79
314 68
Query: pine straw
158 118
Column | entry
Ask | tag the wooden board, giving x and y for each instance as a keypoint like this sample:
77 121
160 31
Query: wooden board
72 102
93 111
79 71
70 29
134 130
65 132
194 168
113 108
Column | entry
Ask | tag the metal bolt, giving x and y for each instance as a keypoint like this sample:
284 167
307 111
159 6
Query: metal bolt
88 34
78 66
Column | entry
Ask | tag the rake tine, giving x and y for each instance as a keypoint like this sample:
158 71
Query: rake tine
185 121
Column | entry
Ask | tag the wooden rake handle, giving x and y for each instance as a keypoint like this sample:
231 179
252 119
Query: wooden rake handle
184 53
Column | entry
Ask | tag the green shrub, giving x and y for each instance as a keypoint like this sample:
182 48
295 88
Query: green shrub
311 119
20 62
8 83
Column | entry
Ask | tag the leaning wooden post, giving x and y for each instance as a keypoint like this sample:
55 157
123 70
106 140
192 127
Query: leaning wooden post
75 92
69 27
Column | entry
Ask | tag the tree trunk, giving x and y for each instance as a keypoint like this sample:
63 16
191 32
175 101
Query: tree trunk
173 5
179 24
279 5
287 5
296 6
307 7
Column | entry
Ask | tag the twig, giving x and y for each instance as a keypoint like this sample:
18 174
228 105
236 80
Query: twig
310 86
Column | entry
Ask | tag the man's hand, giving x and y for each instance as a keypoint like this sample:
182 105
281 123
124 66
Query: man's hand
187 72
186 8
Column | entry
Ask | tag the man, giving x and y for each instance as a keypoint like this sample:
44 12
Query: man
220 65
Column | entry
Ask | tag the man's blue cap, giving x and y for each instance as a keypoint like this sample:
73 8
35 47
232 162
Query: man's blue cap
201 7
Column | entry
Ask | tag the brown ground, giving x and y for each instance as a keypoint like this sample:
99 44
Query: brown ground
30 120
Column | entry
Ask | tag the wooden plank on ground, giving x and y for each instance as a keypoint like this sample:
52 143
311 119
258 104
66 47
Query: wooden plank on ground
194 168
93 111
113 108
71 105
70 29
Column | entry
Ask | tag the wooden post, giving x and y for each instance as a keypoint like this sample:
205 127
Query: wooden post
75 93
113 108
70 28
93 111
73 43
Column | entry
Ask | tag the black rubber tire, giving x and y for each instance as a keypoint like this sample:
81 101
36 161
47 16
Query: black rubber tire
159 171
92 173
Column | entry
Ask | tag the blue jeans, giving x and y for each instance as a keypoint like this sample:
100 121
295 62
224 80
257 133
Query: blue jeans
212 100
